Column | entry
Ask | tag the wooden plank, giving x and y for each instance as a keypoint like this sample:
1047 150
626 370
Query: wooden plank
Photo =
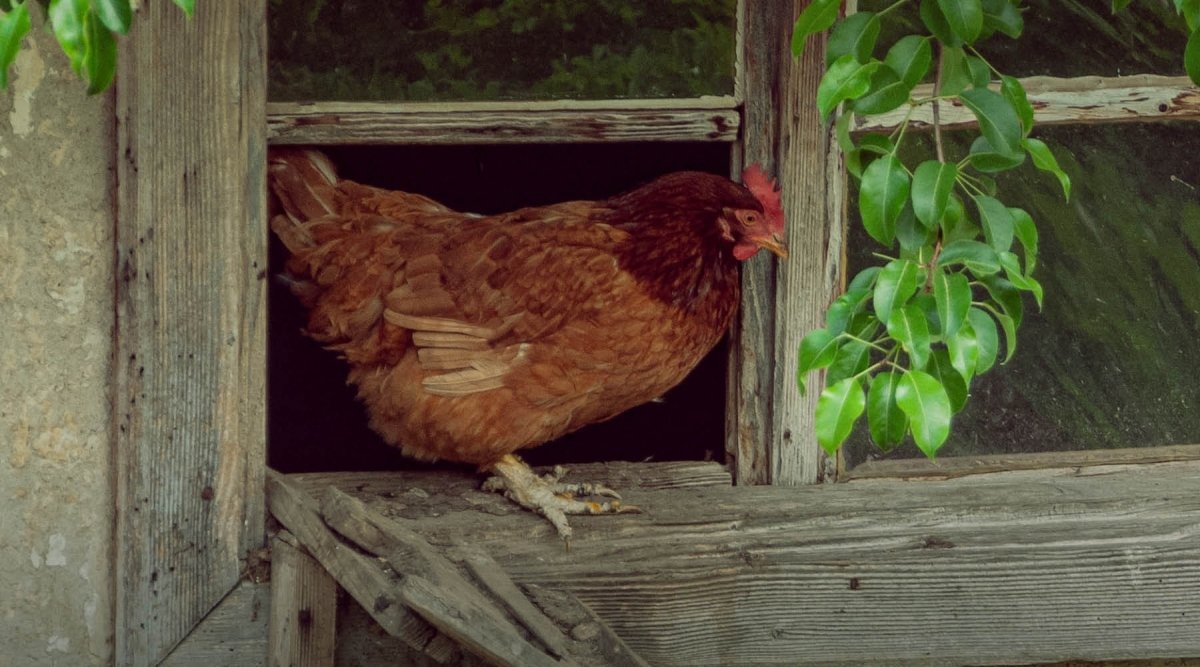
762 54
303 609
431 585
958 466
362 577
190 334
1093 564
1087 99
492 577
813 185
562 121
234 634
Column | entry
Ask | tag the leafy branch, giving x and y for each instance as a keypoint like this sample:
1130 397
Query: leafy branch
86 30
906 339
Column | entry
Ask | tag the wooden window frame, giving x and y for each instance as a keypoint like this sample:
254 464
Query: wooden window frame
190 348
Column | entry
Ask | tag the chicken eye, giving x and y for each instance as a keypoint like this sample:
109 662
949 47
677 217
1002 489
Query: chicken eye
750 219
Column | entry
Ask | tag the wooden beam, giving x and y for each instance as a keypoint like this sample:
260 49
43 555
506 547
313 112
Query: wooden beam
190 321
1087 99
303 609
234 634
948 467
560 121
1064 564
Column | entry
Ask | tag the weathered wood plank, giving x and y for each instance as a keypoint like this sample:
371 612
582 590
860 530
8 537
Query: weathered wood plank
492 577
561 121
303 610
959 466
361 576
1098 564
234 634
1088 99
762 58
190 333
813 186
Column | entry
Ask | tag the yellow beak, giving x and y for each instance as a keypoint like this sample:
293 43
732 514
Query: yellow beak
775 244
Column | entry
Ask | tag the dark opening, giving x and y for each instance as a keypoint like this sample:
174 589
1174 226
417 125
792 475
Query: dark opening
314 421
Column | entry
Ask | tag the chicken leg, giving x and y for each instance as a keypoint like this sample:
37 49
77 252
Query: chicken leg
548 496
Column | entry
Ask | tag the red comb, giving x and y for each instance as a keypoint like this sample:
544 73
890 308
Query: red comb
767 192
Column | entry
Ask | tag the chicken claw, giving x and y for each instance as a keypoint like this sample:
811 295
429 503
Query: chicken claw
549 497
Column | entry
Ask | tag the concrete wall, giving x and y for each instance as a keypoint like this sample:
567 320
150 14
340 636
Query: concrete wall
56 319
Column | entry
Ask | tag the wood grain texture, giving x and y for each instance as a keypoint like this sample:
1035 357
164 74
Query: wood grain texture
1087 99
958 466
1068 564
749 420
700 119
813 190
234 634
189 341
361 576
303 610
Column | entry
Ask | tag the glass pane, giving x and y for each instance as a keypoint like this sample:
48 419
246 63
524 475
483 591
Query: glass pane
499 49
1067 38
1114 359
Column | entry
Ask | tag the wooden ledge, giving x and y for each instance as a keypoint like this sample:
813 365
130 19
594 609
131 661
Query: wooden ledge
1051 565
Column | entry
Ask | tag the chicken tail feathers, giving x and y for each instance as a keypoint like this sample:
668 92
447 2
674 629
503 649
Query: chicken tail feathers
305 185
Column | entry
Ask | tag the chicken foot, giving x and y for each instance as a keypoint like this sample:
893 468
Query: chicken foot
549 497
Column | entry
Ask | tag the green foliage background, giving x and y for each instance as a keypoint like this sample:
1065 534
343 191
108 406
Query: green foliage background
499 49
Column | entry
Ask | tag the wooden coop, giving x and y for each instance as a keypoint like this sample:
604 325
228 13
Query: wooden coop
772 553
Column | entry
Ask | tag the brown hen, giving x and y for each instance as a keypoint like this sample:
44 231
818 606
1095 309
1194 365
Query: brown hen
470 337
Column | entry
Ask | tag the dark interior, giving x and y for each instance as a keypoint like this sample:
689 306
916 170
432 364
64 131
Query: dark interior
314 421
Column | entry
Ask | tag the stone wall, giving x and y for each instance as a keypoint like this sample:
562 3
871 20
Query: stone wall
56 321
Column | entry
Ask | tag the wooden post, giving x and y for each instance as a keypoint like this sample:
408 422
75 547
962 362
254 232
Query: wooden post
769 436
303 609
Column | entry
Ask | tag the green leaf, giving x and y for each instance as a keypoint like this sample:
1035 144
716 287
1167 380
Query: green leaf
189 6
987 340
952 294
1044 159
66 19
1003 15
115 14
981 74
887 421
1191 57
839 406
1014 92
817 16
14 25
924 400
997 222
1007 296
887 92
986 159
956 72
1012 270
1010 335
1027 233
954 384
998 121
854 35
1118 5
964 350
1190 10
936 22
817 350
896 284
965 18
909 326
980 258
870 148
845 307
852 358
846 79
932 184
913 236
910 58
100 54
881 196
865 279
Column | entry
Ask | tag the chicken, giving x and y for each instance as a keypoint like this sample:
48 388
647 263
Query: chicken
472 337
